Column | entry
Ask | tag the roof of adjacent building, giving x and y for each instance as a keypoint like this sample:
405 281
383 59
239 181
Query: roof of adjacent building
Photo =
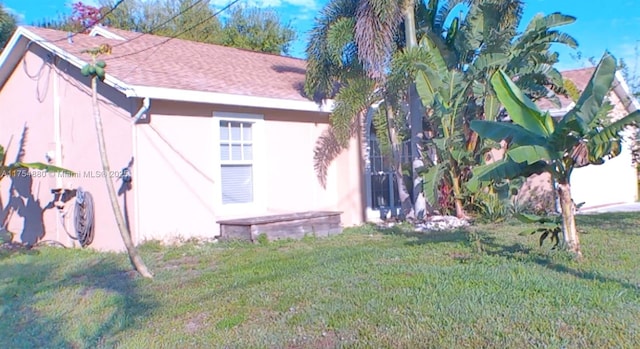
580 77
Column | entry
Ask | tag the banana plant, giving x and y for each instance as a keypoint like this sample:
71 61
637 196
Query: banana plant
444 93
18 166
538 143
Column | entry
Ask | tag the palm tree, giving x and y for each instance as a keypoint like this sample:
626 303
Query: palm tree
349 55
96 71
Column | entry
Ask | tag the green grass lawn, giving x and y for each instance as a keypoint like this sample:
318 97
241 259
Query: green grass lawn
486 287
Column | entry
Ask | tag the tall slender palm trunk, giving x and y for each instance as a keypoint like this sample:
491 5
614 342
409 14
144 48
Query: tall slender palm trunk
134 256
406 203
416 113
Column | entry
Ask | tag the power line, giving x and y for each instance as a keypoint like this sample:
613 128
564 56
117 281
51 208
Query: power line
153 29
174 35
89 25
68 37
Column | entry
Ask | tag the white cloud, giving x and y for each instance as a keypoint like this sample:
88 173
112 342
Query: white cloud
306 4
18 15
630 52
94 3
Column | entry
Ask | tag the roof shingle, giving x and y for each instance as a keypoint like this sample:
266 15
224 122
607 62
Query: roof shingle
155 61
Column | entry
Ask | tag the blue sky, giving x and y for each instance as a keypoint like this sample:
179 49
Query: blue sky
612 25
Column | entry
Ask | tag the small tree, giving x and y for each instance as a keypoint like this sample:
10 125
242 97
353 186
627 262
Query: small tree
7 26
96 70
538 143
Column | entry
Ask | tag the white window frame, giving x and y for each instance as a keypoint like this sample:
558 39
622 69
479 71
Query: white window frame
258 163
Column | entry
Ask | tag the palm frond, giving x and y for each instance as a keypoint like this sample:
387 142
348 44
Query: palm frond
321 74
443 14
353 98
381 128
340 42
377 22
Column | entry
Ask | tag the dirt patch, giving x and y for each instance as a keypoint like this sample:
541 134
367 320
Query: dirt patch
196 323
326 339
185 263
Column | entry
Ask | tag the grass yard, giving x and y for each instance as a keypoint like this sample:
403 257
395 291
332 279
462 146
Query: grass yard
487 287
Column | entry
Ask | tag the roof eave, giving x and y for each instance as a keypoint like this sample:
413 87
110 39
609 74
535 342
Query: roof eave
558 112
47 45
227 99
624 93
7 54
156 92
99 30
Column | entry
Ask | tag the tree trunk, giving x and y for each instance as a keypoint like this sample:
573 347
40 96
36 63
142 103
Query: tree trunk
405 198
568 210
410 36
134 256
457 196
416 113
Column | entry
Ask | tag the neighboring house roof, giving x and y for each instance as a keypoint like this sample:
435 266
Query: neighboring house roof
143 65
580 77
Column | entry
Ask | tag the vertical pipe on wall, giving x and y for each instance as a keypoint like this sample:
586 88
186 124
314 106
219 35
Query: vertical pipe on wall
57 129
144 109
57 136
136 185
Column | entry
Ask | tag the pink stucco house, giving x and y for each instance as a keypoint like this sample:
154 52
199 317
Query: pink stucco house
207 133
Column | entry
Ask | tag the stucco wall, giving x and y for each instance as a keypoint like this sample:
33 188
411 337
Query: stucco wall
613 182
175 172
171 155
178 182
28 99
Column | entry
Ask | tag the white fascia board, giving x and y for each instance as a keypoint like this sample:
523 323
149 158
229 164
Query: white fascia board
73 60
561 111
624 93
100 30
227 99
8 49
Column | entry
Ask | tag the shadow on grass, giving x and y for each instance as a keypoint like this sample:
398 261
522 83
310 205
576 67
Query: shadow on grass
483 243
624 222
420 238
93 321
524 254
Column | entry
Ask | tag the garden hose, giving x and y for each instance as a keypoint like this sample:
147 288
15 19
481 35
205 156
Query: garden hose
84 218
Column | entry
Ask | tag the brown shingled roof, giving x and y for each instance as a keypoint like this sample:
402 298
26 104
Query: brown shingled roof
155 61
580 77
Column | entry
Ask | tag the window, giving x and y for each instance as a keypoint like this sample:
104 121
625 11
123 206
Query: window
236 161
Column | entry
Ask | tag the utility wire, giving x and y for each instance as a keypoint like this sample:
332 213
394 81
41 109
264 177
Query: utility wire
89 25
153 29
159 44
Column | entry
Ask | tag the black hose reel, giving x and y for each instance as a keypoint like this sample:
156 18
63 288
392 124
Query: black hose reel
83 227
84 217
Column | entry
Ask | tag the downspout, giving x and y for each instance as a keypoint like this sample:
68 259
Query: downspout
146 104
57 139
57 129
